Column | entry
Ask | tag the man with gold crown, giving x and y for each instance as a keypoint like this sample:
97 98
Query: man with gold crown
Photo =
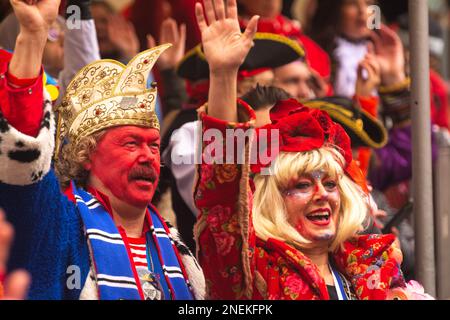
99 238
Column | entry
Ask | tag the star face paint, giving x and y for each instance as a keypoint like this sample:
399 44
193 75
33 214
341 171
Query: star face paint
127 162
313 204
318 174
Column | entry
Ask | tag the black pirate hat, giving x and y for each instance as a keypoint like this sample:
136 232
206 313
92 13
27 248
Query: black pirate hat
270 51
364 129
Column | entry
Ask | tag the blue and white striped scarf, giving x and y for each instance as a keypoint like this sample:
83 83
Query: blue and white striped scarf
114 273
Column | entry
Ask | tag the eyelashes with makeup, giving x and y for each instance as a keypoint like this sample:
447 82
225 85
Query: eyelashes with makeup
305 187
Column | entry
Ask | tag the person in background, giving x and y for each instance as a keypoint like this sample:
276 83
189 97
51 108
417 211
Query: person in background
175 94
440 107
299 81
148 16
116 36
340 28
273 21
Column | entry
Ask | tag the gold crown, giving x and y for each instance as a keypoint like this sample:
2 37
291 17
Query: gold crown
106 93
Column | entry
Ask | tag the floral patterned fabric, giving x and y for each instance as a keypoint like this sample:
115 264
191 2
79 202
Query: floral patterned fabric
237 265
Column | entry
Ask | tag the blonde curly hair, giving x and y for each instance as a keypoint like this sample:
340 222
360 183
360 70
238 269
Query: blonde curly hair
270 217
70 165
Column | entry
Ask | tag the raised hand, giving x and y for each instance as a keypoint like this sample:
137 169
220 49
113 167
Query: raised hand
388 50
35 16
170 33
224 45
123 36
368 76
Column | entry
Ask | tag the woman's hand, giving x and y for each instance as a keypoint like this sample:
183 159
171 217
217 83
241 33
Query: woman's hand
170 33
368 76
224 45
225 49
388 50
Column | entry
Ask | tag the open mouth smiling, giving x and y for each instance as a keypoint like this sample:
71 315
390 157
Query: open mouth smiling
320 216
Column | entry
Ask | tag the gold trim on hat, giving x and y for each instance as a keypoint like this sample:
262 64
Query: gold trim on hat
345 116
294 45
107 93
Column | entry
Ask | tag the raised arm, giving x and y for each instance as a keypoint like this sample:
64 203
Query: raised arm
225 49
21 89
25 158
224 232
34 17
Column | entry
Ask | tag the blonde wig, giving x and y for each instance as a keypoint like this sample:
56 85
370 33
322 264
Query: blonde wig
269 211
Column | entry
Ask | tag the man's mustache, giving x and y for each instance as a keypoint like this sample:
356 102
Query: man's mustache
143 172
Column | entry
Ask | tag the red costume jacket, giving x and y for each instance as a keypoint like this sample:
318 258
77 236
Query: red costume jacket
238 265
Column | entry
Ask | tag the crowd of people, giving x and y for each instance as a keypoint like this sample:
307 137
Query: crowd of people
271 164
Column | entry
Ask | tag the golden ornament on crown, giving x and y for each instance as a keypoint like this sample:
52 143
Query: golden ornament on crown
105 94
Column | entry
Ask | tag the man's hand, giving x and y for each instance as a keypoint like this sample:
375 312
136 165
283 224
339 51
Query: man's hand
16 284
170 33
35 16
388 49
224 45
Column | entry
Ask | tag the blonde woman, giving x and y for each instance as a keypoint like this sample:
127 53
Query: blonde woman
291 232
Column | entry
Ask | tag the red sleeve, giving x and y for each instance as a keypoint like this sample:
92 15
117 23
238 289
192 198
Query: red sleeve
224 229
21 101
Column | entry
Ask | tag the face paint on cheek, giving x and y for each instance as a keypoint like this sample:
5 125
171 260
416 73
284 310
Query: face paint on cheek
297 194
298 199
